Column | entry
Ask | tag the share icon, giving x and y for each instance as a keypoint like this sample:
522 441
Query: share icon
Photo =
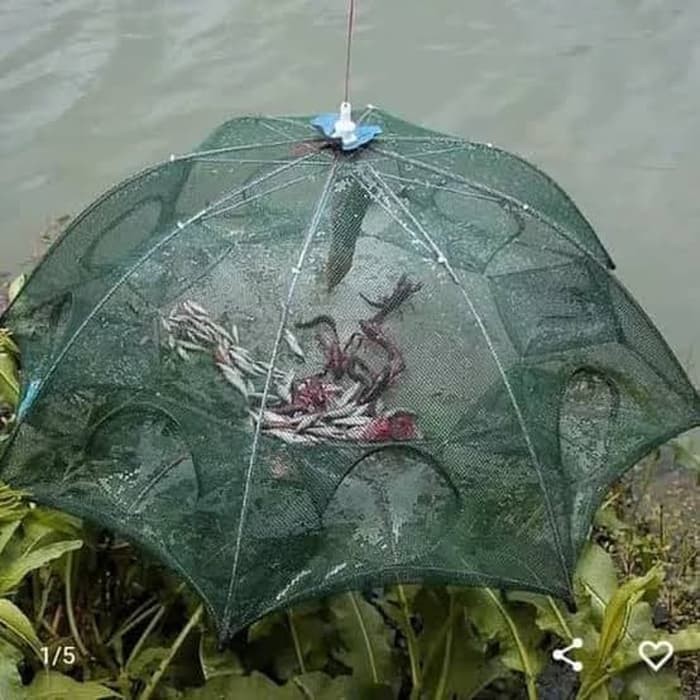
561 654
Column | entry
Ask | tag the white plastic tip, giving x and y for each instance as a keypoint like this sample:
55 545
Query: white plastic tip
577 643
344 127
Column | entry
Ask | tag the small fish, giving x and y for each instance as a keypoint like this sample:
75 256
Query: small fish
194 308
361 410
234 333
326 431
244 365
272 418
349 395
234 377
221 331
182 353
353 421
306 422
291 437
341 412
293 344
251 387
188 345
171 341
284 388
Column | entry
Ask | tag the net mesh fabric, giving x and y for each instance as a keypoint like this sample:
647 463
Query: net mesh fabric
424 368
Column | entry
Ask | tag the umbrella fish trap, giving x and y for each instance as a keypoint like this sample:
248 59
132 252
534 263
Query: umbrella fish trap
289 369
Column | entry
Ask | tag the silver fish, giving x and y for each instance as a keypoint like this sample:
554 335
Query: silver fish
293 344
284 388
233 377
348 395
306 422
195 308
341 412
325 431
234 333
291 437
270 417
188 345
353 421
182 353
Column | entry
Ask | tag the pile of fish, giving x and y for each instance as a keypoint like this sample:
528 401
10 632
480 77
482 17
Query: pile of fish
307 410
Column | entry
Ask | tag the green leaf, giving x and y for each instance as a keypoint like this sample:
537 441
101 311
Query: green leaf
217 663
9 378
551 616
513 626
271 641
147 661
14 571
366 646
10 681
7 530
16 624
462 667
619 610
595 578
686 641
641 683
320 686
49 685
253 687
12 505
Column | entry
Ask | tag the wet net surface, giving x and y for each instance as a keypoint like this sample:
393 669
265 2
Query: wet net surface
289 371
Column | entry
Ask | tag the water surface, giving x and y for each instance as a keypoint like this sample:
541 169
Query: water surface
604 95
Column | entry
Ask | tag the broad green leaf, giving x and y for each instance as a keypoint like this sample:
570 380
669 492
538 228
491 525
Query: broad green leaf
49 685
253 687
432 607
217 663
147 661
608 518
641 683
686 641
595 578
512 625
14 622
12 505
366 645
13 572
619 610
55 522
551 615
9 378
271 641
7 530
320 686
461 666
10 681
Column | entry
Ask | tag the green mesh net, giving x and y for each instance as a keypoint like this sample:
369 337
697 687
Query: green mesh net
287 370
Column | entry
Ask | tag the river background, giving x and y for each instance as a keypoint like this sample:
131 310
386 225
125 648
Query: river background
603 95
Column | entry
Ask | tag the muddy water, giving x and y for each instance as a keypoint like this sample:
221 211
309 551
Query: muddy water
605 95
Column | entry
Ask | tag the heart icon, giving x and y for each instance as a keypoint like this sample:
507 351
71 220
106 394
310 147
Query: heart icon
650 651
